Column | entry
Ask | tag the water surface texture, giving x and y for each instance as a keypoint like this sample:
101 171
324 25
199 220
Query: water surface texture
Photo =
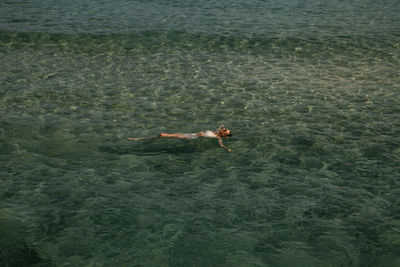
310 90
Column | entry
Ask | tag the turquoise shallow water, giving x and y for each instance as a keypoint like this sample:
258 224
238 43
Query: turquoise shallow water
310 91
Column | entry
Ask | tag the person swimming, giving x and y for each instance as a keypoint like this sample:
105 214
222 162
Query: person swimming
219 133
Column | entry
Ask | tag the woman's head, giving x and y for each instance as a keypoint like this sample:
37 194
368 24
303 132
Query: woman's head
222 132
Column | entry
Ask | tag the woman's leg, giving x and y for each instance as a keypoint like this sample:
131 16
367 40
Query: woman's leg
173 135
142 138
164 135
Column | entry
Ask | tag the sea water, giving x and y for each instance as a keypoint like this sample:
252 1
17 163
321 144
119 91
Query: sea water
310 90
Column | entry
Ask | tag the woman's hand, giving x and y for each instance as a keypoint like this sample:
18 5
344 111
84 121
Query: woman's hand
222 145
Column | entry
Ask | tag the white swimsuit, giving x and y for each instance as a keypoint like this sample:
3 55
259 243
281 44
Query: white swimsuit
209 134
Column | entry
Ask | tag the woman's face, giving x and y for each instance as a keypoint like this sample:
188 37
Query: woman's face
225 132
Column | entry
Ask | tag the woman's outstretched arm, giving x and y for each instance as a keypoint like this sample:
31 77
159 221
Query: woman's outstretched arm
222 145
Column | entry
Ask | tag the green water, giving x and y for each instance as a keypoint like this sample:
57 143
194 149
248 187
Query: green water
313 180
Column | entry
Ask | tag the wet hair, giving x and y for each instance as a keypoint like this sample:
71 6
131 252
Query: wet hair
223 130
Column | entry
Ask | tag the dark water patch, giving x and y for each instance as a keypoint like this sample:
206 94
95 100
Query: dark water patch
16 245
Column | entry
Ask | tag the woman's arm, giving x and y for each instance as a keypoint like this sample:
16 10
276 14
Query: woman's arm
222 145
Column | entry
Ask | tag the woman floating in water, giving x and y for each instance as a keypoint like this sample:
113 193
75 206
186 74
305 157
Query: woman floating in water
220 132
